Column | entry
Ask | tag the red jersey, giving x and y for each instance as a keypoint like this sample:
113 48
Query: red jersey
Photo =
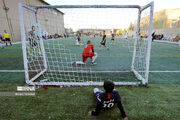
88 48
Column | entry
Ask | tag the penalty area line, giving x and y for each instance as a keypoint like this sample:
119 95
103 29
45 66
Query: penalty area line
166 71
12 71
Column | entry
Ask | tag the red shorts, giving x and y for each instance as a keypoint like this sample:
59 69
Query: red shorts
87 55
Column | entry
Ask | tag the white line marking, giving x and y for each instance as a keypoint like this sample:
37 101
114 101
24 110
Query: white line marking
166 71
13 43
166 41
11 70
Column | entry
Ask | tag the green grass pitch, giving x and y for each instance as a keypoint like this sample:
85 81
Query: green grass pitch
161 101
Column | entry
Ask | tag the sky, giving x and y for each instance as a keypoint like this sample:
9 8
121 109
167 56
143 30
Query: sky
77 19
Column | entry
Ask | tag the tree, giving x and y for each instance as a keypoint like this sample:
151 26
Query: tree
79 31
131 27
120 31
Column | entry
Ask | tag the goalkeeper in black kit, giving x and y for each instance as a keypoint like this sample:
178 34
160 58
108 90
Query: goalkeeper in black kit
107 99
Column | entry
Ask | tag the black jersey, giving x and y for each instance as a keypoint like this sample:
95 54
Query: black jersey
1 38
108 100
79 39
104 38
112 36
103 42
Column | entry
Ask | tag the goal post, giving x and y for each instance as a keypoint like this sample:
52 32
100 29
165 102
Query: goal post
47 61
143 74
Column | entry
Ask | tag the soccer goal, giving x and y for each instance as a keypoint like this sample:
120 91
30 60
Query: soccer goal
48 34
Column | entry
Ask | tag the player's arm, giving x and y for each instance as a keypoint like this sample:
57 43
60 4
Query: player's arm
96 111
123 114
120 106
92 48
99 105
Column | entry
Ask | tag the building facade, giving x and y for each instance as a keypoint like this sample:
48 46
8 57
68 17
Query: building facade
51 20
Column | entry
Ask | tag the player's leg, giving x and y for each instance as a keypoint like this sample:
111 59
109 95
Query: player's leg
10 41
76 42
6 41
84 58
96 93
31 44
100 44
106 47
111 41
104 44
37 49
1 44
93 57
96 90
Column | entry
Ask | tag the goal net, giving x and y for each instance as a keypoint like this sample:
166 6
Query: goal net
53 39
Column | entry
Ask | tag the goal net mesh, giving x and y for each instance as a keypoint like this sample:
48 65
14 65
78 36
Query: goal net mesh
56 29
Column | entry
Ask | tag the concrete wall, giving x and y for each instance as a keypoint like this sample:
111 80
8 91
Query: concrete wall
13 14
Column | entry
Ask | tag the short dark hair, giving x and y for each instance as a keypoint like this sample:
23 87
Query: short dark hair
88 41
108 86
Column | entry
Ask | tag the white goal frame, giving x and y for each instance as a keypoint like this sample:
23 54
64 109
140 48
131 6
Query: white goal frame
136 72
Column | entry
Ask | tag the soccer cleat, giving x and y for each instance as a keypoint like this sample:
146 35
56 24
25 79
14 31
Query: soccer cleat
93 63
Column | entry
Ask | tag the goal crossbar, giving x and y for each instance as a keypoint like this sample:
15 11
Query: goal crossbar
82 83
88 6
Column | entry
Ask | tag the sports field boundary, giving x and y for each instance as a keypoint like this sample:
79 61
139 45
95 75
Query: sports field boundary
163 41
166 71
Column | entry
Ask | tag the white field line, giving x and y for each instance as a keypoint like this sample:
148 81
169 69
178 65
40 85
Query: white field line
166 71
11 70
163 41
16 43
13 43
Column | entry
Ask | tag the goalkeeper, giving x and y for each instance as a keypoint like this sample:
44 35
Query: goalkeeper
107 99
86 53
33 41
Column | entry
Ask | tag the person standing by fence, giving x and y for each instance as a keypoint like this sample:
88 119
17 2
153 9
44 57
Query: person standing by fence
7 37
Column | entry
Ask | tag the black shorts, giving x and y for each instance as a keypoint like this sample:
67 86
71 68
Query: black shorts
7 39
32 42
112 39
102 43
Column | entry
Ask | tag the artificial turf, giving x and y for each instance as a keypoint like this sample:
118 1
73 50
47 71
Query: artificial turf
161 101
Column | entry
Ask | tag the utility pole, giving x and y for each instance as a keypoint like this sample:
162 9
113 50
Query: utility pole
6 9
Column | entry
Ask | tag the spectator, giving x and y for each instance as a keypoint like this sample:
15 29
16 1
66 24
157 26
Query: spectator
7 37
2 38
153 36
177 38
161 37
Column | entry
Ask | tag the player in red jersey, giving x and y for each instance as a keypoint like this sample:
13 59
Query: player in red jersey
88 54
